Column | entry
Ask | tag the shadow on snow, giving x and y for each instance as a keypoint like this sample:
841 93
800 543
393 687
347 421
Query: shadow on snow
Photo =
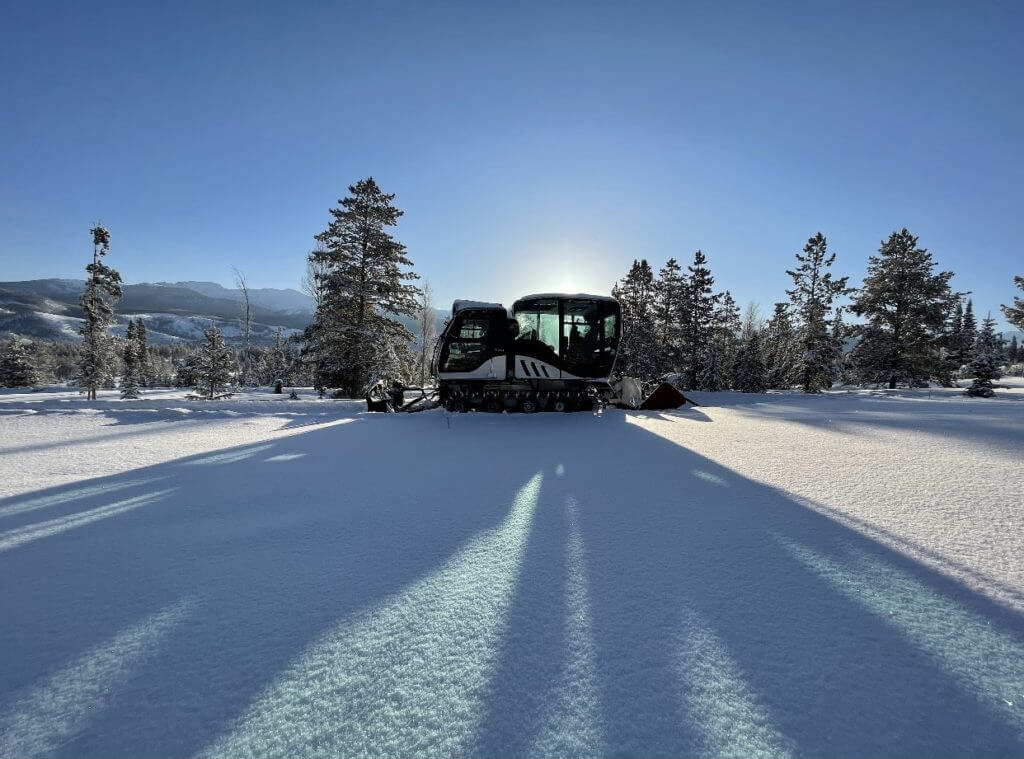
658 604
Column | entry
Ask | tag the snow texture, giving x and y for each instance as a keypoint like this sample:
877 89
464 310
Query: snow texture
762 575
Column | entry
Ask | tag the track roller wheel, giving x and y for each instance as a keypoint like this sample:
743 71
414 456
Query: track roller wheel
528 406
560 405
493 405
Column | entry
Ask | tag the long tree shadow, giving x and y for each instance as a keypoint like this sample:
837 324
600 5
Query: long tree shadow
659 604
726 618
995 423
276 542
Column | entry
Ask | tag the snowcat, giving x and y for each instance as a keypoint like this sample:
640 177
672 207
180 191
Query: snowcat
549 352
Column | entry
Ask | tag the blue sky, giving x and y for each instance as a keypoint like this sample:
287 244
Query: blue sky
533 146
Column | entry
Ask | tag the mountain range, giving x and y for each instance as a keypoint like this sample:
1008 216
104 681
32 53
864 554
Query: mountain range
173 311
49 309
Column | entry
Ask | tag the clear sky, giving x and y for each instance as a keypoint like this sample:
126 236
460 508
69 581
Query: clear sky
533 146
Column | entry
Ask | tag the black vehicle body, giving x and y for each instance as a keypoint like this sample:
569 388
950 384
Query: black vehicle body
548 352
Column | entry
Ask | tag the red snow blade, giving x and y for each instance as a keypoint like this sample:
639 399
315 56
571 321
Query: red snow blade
665 396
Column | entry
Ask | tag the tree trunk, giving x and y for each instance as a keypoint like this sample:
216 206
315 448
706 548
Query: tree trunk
892 382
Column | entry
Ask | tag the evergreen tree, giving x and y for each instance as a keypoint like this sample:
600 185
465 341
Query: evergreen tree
988 356
669 302
710 377
955 335
186 372
698 318
102 290
968 334
813 295
781 355
1015 313
840 332
906 306
214 366
16 366
130 377
366 285
725 336
749 373
638 349
277 361
1014 351
142 353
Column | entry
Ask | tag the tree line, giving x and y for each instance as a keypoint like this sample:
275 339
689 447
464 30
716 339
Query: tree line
913 329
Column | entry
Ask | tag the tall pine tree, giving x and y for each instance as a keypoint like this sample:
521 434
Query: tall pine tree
131 360
698 318
813 297
725 337
366 286
142 353
214 368
906 305
781 349
988 356
669 302
968 334
638 348
102 291
749 372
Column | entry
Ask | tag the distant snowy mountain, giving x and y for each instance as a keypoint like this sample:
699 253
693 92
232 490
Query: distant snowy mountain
49 309
275 299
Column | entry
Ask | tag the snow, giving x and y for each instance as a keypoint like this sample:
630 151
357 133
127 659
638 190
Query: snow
760 575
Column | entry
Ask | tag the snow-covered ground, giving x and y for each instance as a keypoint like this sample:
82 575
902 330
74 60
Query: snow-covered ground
760 575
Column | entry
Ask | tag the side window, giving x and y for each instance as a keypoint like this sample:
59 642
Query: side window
473 328
468 347
609 327
538 330
465 356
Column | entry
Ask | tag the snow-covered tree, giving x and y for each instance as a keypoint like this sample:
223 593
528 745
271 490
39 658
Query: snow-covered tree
988 357
186 371
906 306
273 363
1013 354
669 302
781 349
367 285
726 336
1015 313
131 360
813 297
749 373
711 371
968 333
214 366
142 353
698 318
638 348
16 366
102 291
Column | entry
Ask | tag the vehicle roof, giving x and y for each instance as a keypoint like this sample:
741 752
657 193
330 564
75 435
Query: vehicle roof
568 296
463 305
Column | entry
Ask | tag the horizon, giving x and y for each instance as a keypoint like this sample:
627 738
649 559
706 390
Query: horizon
531 148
